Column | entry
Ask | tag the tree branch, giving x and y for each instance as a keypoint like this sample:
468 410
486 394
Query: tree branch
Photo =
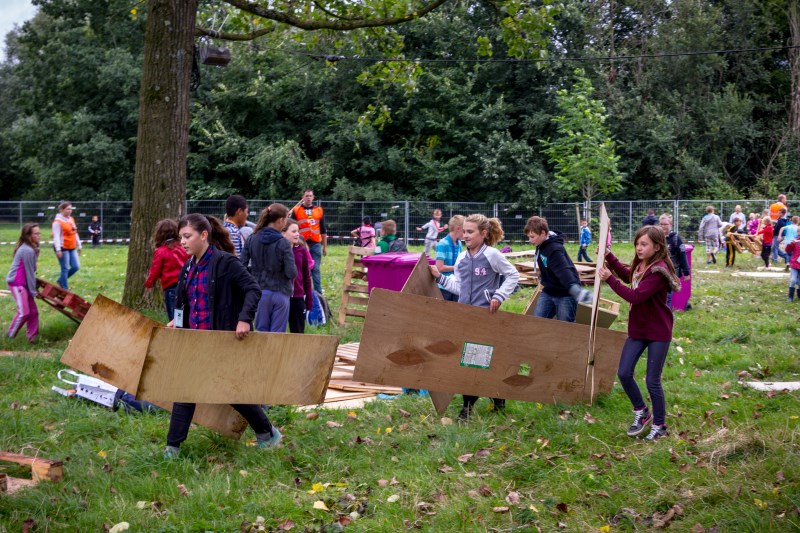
233 36
337 24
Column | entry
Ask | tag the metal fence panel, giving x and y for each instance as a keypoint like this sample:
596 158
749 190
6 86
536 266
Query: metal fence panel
342 217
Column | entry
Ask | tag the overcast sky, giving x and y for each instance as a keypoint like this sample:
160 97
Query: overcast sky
12 12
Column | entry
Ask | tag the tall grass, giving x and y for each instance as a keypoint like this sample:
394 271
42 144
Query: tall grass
731 462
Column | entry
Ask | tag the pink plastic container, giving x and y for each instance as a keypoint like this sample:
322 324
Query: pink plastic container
680 299
390 270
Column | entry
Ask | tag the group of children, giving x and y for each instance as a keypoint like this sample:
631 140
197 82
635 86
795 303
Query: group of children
208 287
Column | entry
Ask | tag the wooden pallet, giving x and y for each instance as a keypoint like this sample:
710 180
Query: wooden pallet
355 292
41 469
68 303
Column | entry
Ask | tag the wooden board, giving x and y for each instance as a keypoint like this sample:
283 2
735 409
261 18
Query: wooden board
421 283
214 367
589 380
111 344
427 355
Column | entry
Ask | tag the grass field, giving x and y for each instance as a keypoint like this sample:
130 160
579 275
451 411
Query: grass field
731 463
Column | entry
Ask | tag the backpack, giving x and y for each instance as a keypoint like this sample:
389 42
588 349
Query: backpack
320 312
398 245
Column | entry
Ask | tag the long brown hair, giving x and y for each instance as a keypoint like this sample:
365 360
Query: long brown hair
218 236
659 240
270 214
165 232
26 237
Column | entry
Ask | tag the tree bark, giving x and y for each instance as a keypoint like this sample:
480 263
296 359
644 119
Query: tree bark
794 59
159 189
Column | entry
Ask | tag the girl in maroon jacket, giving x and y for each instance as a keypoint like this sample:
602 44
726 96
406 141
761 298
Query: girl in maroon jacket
302 296
651 277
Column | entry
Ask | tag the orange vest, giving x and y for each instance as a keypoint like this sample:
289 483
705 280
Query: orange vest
69 241
309 227
775 210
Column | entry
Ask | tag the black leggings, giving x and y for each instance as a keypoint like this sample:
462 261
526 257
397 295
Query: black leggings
656 356
182 414
297 315
766 251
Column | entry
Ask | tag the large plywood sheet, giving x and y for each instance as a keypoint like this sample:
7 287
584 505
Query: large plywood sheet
415 341
111 344
214 367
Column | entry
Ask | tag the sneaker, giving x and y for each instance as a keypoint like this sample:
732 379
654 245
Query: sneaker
641 418
271 442
656 432
498 405
171 452
466 413
714 258
708 262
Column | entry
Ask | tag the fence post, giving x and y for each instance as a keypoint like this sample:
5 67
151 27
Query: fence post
630 220
406 222
675 216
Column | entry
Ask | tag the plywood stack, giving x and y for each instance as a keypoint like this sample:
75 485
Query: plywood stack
355 293
343 391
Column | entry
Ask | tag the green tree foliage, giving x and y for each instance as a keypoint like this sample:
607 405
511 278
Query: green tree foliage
583 152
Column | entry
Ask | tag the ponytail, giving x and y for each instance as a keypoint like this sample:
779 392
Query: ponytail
493 227
270 214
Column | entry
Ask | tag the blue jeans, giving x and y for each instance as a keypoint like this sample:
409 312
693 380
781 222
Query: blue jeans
657 351
582 255
272 314
316 254
69 265
776 251
561 307
169 301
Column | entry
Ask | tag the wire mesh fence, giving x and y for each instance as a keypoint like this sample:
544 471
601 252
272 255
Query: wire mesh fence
341 217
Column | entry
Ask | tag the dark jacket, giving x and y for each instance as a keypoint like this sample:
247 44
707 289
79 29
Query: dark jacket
556 270
232 291
677 252
268 255
650 220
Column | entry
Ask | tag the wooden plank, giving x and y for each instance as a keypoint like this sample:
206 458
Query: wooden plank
353 299
553 352
357 288
605 224
213 367
358 386
41 468
111 344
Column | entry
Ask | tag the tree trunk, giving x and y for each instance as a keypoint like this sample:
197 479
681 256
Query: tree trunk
794 58
159 189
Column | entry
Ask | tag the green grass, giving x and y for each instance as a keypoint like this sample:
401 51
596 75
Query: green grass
732 460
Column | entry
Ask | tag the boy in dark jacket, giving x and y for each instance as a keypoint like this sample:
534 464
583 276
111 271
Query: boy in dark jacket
561 286
677 251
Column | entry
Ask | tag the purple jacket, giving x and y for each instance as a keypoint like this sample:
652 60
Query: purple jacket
302 283
649 318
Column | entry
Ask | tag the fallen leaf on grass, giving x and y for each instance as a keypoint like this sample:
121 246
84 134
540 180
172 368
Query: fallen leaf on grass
605 529
319 504
698 528
483 452
393 498
473 494
589 418
512 498
465 457
500 509
779 477
484 490
332 424
698 374
344 520
119 528
562 507
446 421
183 490
286 525
313 415
661 520
404 413
383 483
446 469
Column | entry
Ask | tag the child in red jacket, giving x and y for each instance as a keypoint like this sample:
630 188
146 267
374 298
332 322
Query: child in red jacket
651 276
168 260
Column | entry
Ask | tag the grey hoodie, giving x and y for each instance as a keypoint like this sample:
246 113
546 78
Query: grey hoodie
268 256
24 258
